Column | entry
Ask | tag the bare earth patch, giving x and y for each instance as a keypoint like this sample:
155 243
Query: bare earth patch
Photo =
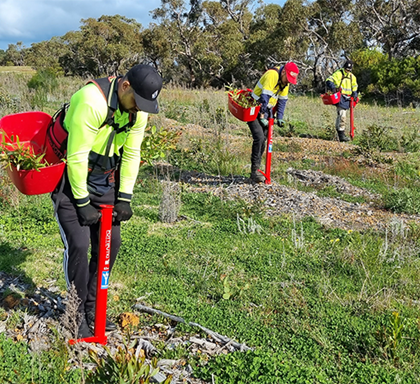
279 199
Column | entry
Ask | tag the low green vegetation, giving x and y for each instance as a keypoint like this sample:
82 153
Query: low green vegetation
320 305
20 367
311 301
315 304
122 367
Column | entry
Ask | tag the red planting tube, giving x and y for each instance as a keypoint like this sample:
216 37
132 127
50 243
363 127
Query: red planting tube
102 277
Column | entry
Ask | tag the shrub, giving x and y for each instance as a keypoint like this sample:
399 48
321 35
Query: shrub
125 367
44 79
377 137
156 143
405 200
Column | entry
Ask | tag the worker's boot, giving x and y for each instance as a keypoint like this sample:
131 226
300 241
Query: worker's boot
90 318
84 330
342 136
256 175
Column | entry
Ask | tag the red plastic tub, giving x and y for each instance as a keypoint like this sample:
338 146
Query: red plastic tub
241 113
32 182
31 128
331 99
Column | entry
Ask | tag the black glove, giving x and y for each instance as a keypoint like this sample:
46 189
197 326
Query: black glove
123 211
88 215
354 95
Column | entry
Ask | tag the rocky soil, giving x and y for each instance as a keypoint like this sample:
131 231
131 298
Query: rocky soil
44 309
278 199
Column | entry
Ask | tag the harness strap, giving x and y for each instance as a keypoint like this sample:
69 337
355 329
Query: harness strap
279 83
110 86
108 149
343 76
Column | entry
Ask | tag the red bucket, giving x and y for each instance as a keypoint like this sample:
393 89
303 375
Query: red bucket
31 128
241 113
33 182
331 99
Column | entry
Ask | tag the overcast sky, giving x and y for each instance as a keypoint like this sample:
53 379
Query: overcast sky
32 21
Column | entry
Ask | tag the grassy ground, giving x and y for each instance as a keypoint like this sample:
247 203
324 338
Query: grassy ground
316 304
13 69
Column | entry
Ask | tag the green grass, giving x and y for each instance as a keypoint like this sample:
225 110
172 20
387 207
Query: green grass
314 308
317 305
20 367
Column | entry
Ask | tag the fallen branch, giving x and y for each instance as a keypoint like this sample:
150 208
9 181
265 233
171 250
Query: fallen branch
152 311
216 336
223 339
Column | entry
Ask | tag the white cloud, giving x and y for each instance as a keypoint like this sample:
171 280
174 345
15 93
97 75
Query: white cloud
10 19
32 21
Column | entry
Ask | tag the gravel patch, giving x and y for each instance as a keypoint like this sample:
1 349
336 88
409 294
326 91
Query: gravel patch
279 199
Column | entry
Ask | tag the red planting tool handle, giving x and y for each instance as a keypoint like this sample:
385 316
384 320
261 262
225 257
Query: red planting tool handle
352 105
267 173
104 259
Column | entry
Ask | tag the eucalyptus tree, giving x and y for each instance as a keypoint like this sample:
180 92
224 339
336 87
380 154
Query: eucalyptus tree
15 54
45 55
207 39
227 28
333 34
264 41
2 55
391 25
316 35
157 48
106 46
183 25
287 39
239 12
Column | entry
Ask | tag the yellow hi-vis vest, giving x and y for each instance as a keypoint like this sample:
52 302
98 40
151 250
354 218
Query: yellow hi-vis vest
270 85
347 80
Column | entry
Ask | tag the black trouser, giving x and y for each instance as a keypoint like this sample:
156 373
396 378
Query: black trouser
76 239
259 135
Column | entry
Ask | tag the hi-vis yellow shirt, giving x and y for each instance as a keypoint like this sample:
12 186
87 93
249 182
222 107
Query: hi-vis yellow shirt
87 112
346 81
270 85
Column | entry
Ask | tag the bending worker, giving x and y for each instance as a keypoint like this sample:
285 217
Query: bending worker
271 91
105 122
343 80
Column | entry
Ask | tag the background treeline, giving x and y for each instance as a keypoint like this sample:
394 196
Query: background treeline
213 43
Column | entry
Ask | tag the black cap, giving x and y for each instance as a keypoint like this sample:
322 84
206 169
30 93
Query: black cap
348 65
146 83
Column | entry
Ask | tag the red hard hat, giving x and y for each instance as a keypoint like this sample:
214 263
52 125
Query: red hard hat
292 72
